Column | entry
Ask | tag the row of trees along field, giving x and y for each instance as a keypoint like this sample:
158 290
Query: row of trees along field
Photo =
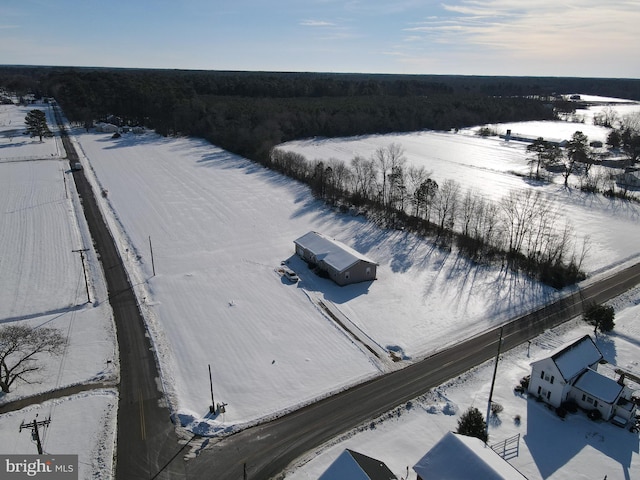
521 230
250 112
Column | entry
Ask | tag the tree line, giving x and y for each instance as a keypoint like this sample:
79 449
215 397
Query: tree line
521 230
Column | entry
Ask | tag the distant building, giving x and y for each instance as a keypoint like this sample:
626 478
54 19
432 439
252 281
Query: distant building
459 457
520 137
106 127
352 465
341 263
571 374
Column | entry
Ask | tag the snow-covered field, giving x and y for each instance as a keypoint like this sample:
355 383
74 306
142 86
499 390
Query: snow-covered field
42 283
219 225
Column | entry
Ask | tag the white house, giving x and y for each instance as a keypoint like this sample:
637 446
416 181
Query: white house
570 373
106 127
459 457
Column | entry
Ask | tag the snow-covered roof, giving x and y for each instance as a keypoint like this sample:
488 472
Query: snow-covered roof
598 386
458 457
330 251
574 357
352 465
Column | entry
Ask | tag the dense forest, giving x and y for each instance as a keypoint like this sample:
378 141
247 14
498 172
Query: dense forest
250 112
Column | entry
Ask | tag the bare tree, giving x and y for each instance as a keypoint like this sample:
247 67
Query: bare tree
388 159
446 205
519 211
415 177
20 350
363 175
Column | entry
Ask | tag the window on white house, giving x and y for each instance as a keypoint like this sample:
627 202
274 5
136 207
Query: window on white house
542 374
552 377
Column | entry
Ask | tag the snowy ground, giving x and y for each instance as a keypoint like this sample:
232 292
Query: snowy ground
219 225
42 284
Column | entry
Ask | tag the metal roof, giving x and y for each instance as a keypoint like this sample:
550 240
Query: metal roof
330 251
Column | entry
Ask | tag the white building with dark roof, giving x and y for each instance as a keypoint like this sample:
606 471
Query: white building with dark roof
341 263
351 465
570 373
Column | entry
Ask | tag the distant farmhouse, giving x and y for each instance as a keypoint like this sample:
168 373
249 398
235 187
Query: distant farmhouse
571 374
518 137
341 263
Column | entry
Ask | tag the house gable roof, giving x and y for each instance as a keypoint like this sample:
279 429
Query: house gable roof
573 358
351 465
332 252
458 457
598 386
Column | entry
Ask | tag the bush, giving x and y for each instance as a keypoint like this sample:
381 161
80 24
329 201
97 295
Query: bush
496 408
594 414
569 406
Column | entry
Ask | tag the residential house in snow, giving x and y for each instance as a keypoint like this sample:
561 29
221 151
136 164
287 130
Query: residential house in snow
570 373
459 457
340 262
106 127
352 465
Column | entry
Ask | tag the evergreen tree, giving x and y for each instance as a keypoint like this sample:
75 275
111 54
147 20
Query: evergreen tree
472 424
601 317
37 126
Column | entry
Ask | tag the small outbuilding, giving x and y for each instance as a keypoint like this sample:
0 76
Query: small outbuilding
341 263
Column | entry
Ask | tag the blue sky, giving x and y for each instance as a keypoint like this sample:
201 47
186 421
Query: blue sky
475 37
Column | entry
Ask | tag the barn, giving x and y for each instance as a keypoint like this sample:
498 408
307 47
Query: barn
340 262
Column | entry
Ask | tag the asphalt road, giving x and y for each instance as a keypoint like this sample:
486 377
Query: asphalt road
147 445
146 437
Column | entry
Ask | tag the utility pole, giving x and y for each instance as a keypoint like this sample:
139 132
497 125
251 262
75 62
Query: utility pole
493 382
212 408
153 264
84 269
35 434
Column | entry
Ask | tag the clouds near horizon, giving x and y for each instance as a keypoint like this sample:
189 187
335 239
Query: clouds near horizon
478 37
